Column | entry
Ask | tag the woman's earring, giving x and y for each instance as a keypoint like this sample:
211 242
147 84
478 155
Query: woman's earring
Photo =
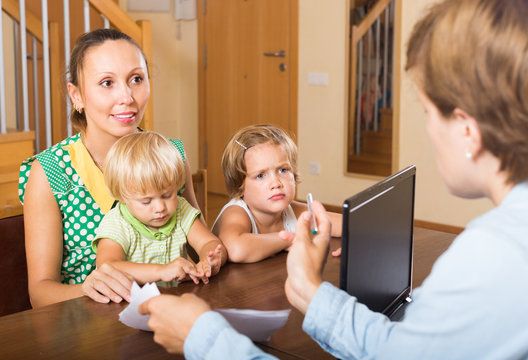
77 108
469 155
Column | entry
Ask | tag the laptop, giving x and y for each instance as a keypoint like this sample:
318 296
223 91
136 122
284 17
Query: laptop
377 244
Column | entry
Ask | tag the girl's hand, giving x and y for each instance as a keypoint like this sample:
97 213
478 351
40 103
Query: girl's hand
214 258
106 284
211 265
181 269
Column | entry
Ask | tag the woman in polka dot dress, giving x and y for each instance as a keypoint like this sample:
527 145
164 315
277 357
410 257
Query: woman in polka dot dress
62 188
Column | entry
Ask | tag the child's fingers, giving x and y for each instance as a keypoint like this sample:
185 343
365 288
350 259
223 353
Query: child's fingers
193 272
206 271
287 236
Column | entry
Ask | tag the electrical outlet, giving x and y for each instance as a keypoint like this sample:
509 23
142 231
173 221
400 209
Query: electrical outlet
315 168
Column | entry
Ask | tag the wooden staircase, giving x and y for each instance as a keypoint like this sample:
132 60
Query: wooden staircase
376 149
370 147
14 148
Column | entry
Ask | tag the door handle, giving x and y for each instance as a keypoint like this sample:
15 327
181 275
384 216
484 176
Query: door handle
281 54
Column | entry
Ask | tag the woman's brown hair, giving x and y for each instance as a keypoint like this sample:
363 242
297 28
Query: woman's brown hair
473 55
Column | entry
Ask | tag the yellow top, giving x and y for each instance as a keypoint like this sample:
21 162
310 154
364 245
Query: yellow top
90 174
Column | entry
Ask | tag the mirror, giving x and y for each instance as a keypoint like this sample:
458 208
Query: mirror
371 87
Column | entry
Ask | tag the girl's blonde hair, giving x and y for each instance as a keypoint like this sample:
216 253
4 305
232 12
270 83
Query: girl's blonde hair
143 162
473 55
233 163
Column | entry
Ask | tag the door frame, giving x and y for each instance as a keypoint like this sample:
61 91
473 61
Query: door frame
294 74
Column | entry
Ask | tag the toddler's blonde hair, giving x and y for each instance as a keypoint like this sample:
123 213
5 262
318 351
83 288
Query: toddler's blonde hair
143 162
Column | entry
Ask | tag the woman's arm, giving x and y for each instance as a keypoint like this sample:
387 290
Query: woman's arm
44 244
44 248
234 229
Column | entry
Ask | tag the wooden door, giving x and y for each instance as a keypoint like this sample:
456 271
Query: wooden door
240 84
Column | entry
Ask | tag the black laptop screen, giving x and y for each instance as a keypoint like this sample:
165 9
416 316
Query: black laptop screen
376 262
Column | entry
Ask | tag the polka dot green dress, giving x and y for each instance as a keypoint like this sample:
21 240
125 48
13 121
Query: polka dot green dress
81 214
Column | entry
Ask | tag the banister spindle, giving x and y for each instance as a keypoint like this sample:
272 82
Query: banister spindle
86 16
376 76
23 60
357 147
47 88
385 56
66 14
34 60
3 120
106 22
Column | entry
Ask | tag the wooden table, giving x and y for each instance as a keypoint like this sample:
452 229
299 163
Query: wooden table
83 329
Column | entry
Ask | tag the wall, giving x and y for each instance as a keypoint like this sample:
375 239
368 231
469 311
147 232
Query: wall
175 77
321 110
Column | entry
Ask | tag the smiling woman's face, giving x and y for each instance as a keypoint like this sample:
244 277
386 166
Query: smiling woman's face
114 88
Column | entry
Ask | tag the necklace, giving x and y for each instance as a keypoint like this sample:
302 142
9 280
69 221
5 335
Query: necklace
97 163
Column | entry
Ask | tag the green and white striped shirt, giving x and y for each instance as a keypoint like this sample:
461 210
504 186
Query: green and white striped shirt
142 245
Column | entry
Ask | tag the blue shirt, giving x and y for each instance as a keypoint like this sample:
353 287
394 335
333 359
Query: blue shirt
472 306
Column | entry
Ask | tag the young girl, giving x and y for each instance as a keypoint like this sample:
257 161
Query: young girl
145 234
260 171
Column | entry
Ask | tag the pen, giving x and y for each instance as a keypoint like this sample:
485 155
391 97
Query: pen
309 200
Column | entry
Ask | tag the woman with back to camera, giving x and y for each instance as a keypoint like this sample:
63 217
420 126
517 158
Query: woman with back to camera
469 60
62 188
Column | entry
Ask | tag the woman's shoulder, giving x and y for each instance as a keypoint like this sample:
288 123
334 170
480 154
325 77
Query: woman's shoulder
237 212
53 160
179 145
54 152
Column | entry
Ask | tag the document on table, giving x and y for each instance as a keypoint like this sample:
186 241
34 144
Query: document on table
130 316
255 324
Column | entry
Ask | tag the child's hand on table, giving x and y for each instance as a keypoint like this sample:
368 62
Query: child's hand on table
181 269
211 265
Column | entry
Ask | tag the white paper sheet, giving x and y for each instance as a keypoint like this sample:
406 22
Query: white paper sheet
255 324
130 316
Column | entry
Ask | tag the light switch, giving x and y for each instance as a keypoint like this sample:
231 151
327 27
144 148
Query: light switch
317 79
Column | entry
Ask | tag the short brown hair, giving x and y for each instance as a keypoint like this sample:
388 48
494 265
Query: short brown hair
233 163
142 162
473 55
84 43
